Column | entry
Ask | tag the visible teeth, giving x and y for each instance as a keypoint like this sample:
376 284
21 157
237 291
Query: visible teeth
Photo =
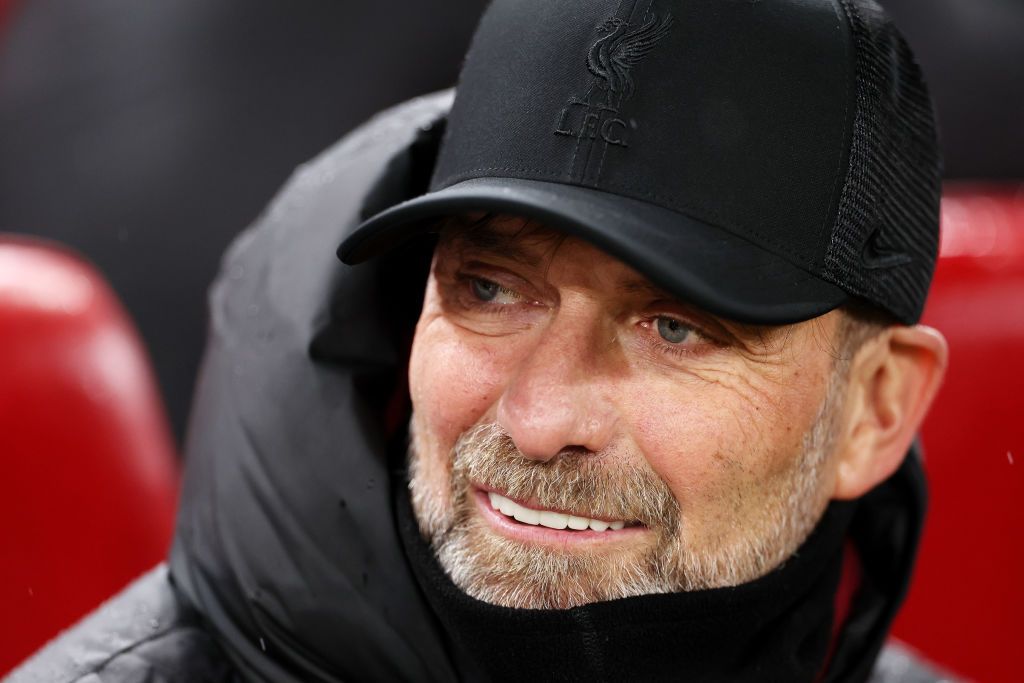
552 520
506 506
578 523
526 515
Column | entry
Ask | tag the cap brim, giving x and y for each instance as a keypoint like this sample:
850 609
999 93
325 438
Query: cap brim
697 262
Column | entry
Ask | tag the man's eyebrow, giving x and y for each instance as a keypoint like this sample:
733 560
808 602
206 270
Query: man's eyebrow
485 238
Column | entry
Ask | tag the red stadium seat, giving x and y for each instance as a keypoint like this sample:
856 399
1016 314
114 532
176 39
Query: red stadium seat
88 476
965 605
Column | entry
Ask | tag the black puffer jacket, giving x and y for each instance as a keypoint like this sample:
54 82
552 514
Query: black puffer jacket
287 565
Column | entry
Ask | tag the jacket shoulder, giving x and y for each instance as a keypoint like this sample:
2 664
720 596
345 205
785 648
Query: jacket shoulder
144 633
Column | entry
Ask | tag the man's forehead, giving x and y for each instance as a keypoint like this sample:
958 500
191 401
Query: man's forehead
495 232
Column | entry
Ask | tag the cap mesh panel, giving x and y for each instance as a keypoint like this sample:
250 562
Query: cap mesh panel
893 184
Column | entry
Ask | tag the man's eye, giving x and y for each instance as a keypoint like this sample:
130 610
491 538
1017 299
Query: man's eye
673 331
484 289
491 292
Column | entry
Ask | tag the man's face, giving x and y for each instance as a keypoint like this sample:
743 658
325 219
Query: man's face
579 435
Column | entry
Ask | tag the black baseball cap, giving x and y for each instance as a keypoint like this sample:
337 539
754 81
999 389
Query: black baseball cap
768 160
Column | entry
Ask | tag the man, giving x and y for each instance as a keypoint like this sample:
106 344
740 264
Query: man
661 385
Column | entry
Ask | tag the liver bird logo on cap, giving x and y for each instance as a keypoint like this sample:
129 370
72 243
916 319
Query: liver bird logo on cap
594 119
615 54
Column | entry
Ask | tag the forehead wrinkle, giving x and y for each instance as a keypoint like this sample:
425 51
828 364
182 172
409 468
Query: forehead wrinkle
635 284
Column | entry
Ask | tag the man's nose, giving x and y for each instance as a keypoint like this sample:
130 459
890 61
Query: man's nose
558 397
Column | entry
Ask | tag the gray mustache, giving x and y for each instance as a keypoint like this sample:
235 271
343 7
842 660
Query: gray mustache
609 485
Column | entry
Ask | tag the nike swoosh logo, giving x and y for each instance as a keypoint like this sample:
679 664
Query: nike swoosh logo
874 256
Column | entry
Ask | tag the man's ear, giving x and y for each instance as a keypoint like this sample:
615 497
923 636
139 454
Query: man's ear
893 379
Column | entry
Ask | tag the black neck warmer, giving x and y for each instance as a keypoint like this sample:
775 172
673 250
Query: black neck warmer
776 628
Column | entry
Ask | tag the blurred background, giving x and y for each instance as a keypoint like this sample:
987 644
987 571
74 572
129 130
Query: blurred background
146 135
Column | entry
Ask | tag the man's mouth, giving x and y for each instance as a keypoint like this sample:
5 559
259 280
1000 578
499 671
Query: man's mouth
551 519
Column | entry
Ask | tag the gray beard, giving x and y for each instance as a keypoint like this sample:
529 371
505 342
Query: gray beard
505 572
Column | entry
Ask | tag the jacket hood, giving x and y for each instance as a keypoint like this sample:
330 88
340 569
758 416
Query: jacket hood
287 541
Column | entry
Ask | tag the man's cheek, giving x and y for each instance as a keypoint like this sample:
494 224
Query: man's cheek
704 446
689 447
453 382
